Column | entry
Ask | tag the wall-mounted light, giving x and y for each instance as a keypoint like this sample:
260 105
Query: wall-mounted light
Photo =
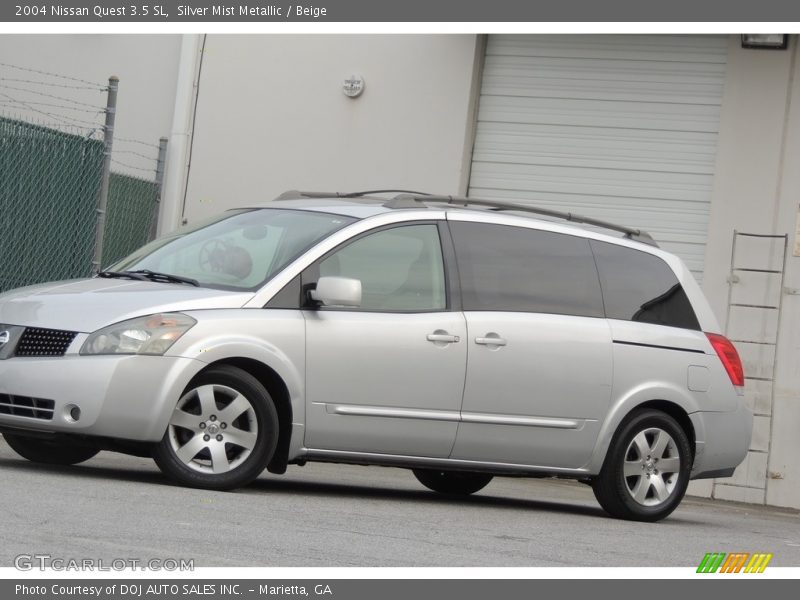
353 85
765 41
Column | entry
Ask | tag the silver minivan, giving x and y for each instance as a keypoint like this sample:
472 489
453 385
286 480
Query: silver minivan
459 338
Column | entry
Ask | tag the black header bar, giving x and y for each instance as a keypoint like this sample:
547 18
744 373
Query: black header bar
461 11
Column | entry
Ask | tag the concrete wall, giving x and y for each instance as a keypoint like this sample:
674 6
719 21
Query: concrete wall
783 471
146 65
756 190
271 116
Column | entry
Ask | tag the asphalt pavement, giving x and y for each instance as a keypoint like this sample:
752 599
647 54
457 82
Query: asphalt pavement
119 507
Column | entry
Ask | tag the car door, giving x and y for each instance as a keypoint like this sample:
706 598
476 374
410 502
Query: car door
539 348
386 377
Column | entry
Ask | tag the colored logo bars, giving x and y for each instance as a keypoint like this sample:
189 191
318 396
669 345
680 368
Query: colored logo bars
735 562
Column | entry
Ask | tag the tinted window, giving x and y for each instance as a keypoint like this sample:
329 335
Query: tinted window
525 270
638 286
399 269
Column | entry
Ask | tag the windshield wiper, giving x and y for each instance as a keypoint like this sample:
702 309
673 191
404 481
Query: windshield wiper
121 275
147 275
164 277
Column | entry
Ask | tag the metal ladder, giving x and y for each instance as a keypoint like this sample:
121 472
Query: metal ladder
760 313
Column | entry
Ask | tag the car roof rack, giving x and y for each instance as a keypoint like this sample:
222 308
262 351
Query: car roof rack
299 195
414 200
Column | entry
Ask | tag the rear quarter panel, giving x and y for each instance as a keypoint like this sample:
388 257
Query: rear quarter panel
655 362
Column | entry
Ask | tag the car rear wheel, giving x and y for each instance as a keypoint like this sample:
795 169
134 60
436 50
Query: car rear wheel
452 482
51 452
646 470
222 433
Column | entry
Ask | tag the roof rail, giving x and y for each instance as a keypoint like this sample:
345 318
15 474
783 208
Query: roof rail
298 195
410 200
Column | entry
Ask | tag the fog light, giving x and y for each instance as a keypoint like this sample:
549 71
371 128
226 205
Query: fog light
73 412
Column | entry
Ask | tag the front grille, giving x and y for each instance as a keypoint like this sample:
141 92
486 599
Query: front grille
25 406
44 342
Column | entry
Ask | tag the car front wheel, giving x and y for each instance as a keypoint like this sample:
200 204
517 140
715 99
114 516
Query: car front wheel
50 452
646 470
452 482
222 433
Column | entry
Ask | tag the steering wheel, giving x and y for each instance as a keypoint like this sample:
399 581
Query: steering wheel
212 255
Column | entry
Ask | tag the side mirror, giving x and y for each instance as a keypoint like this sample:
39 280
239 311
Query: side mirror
337 291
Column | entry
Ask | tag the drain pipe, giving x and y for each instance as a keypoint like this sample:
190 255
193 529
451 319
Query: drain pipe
177 162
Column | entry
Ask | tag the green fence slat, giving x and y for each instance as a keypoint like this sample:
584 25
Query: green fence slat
130 209
49 181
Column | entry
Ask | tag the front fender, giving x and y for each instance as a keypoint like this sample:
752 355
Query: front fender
275 338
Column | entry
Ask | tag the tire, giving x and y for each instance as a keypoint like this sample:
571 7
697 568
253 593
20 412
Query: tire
460 483
49 452
222 433
646 471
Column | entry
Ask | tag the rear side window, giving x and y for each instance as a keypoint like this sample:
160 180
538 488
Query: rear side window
517 269
638 286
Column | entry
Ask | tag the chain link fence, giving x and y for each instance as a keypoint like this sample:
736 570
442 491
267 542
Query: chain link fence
52 159
130 211
48 188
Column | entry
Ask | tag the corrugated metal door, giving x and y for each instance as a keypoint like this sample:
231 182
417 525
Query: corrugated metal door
622 128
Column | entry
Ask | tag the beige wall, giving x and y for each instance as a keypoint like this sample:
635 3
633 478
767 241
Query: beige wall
146 65
271 116
783 478
756 190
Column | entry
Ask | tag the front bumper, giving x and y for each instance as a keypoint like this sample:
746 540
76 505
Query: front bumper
124 397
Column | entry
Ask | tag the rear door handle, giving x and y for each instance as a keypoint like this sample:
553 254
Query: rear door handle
491 340
442 338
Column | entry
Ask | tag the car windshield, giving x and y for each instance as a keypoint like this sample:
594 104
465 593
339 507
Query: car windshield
238 250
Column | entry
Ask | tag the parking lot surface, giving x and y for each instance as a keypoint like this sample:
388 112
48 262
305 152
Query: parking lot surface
115 506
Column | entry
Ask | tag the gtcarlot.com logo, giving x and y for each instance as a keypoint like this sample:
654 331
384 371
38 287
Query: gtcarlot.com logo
42 562
735 562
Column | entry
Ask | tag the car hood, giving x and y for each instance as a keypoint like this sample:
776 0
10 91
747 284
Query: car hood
88 304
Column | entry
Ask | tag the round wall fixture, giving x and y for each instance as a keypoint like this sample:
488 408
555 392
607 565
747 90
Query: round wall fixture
353 86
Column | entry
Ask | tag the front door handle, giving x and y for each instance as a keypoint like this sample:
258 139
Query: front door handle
491 339
442 337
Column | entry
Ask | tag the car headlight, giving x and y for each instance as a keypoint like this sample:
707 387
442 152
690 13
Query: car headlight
153 334
9 334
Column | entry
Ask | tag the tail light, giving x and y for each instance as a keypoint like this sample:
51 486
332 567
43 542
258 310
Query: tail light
729 357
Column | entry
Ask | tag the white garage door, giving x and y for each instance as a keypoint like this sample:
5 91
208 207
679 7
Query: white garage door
622 128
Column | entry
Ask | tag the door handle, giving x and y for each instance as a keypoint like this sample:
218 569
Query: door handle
491 339
442 338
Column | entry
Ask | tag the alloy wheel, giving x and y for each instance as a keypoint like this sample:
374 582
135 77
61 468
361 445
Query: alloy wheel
652 467
213 429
